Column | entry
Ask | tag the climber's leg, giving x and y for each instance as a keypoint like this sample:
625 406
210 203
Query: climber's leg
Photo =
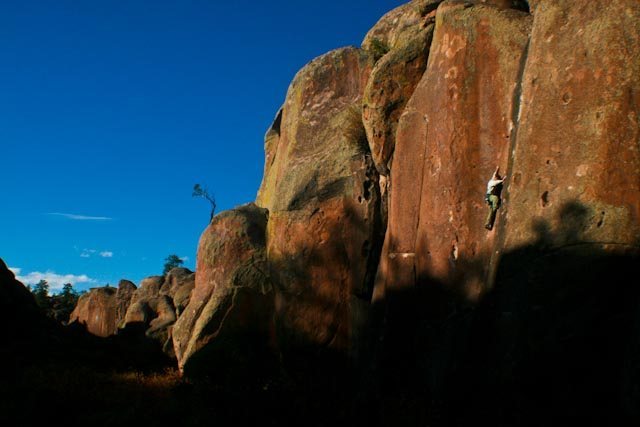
494 202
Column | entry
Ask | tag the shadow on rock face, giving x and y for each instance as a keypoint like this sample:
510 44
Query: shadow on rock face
554 342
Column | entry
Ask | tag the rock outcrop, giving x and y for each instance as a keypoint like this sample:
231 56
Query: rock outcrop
227 329
447 91
401 39
367 244
156 305
178 285
324 207
139 313
454 131
101 310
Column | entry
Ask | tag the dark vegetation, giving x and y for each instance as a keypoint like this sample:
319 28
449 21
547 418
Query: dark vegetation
171 262
353 128
378 49
57 306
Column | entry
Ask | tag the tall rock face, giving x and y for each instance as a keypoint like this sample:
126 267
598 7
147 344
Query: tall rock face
551 98
375 175
578 131
454 131
226 331
101 310
569 231
323 200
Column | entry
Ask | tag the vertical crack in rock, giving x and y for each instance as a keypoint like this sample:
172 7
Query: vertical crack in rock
422 176
378 227
515 120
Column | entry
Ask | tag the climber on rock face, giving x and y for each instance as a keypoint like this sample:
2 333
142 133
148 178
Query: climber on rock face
494 188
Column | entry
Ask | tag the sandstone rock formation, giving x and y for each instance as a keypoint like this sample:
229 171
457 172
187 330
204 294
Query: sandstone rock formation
227 328
124 295
178 285
450 90
324 206
139 313
149 288
155 306
578 129
406 33
552 98
366 242
101 310
154 315
453 132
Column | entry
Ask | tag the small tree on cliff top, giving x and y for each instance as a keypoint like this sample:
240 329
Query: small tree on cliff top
172 261
199 191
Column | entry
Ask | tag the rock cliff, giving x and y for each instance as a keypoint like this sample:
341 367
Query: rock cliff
365 262
102 309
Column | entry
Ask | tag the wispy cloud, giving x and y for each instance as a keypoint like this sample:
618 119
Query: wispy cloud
184 258
86 253
56 281
80 217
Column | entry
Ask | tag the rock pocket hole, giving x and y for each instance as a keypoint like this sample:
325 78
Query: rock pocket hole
544 199
522 5
366 248
601 220
566 98
366 191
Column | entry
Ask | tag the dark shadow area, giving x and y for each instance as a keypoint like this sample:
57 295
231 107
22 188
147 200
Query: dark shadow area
554 342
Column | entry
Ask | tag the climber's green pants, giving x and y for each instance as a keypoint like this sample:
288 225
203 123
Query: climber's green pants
494 203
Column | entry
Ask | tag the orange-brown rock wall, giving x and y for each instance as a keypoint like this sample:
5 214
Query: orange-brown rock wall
578 131
321 191
454 131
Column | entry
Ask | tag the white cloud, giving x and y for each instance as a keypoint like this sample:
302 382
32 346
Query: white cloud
86 253
55 281
184 258
80 217
106 254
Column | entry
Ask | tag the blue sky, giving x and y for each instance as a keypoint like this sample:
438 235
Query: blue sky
112 110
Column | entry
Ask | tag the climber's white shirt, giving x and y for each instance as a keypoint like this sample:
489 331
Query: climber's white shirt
492 184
